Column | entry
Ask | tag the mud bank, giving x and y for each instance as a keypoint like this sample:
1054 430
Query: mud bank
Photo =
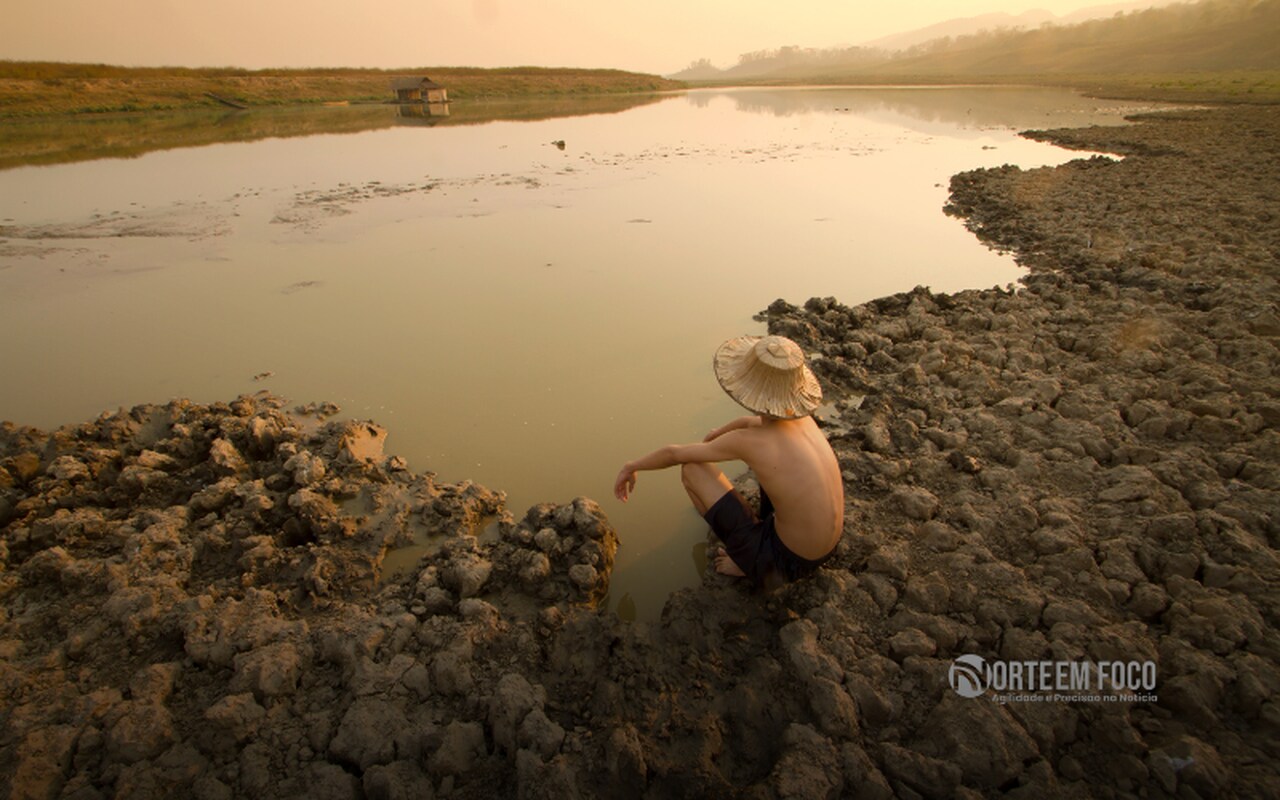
194 605
1081 470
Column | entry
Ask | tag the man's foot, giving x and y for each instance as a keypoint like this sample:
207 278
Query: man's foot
725 565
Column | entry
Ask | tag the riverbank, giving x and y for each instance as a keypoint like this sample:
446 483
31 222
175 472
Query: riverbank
1081 470
1241 87
35 89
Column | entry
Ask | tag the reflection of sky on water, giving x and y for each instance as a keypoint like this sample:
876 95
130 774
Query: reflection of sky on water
951 107
516 314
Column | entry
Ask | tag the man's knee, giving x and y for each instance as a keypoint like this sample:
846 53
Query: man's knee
702 478
704 482
687 474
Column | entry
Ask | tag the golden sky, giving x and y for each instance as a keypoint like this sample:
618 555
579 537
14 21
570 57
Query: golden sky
659 36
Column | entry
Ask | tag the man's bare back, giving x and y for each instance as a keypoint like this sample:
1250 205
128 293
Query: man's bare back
795 465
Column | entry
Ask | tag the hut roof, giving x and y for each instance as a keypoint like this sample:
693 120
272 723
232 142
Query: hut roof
398 84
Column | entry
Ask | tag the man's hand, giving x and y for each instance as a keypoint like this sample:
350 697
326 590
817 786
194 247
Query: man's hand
625 483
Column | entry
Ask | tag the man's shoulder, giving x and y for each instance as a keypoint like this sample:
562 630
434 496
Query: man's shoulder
764 437
786 429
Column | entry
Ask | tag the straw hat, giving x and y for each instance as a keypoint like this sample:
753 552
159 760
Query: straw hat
768 375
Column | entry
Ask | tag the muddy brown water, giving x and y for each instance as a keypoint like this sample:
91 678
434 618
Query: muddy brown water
515 313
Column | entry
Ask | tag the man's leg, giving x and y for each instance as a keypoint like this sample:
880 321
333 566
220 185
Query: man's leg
705 485
726 565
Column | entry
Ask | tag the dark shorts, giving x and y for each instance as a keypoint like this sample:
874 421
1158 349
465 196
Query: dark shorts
753 543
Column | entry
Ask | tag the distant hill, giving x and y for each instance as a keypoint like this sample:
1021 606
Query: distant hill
968 26
784 63
1212 35
963 26
700 70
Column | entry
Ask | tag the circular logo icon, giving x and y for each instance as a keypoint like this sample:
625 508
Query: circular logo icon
968 676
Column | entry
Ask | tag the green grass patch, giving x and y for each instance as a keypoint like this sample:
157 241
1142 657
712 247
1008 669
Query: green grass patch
31 88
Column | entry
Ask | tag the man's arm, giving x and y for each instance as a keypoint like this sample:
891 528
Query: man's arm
750 421
722 448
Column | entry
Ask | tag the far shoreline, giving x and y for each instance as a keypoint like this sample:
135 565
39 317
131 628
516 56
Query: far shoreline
52 89
40 90
1224 87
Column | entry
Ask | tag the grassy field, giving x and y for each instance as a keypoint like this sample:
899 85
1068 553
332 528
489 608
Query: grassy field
31 89
1235 86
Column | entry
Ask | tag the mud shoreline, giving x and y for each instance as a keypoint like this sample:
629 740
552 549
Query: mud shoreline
1082 469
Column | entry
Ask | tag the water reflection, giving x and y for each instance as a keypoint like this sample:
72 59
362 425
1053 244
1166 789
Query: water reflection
59 140
967 107
417 113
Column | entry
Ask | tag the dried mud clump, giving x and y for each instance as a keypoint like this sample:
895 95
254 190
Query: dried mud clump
194 605
196 602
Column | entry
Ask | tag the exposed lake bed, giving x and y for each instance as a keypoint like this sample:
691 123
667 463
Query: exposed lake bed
1082 469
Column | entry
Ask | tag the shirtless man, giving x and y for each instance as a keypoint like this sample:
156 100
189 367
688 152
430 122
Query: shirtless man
801 493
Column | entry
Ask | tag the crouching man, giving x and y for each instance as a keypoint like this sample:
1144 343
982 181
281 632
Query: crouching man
801 494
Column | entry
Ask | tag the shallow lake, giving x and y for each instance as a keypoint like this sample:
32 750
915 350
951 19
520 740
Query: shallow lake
526 303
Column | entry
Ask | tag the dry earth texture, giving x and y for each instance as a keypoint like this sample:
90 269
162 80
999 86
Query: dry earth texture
1082 469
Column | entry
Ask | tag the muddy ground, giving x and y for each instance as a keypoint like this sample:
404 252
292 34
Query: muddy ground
1081 469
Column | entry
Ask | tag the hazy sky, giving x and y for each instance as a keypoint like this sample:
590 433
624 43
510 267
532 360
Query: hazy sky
652 36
